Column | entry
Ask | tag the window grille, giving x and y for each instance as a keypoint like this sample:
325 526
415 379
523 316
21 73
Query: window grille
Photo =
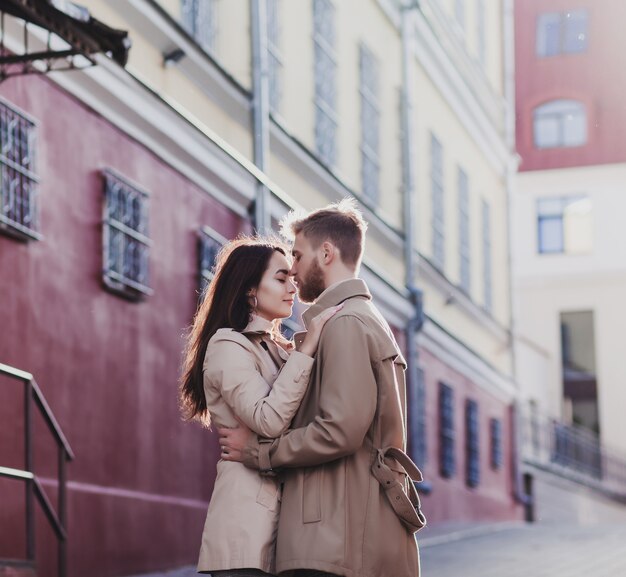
209 245
437 192
495 427
472 444
447 463
199 18
370 124
275 58
126 241
19 194
464 231
421 446
325 81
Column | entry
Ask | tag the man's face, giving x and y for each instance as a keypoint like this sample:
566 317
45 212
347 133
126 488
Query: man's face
306 270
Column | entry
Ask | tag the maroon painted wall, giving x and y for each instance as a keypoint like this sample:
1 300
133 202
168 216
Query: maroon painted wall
596 77
108 367
451 500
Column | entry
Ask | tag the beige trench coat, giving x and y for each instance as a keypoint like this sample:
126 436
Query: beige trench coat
242 379
334 516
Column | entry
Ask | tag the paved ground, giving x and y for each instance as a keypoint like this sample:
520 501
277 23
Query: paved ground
550 550
515 550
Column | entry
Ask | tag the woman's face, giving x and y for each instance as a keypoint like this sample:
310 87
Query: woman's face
275 293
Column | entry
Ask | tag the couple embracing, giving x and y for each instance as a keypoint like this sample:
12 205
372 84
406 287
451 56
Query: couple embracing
312 479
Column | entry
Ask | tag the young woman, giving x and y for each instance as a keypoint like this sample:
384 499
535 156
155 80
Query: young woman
238 367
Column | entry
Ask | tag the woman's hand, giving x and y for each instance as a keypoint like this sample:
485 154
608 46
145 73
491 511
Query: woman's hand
312 338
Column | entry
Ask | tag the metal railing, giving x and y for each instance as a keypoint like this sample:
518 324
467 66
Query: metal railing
34 489
573 452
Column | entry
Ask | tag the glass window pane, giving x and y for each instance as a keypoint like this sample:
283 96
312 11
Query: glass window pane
548 34
550 235
575 31
547 134
574 129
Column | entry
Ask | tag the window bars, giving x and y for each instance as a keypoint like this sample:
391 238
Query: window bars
126 244
209 245
370 124
19 200
199 18
325 81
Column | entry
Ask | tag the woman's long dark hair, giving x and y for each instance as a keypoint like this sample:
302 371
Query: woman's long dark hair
239 268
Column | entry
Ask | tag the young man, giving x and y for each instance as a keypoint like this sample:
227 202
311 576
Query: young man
344 498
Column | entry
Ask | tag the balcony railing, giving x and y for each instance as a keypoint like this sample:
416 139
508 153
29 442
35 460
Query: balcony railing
573 452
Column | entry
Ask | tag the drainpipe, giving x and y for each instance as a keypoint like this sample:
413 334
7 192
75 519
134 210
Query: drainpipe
260 109
415 323
511 169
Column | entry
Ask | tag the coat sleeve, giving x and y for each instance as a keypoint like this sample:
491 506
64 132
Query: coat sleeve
265 410
347 404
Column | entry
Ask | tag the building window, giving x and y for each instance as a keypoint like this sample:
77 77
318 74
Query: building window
564 225
370 124
275 58
562 33
325 81
481 31
125 237
421 447
447 465
19 198
487 257
472 453
209 245
464 232
437 194
199 18
495 432
560 123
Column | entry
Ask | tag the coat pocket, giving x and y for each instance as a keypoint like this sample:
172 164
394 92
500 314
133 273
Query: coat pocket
269 494
312 495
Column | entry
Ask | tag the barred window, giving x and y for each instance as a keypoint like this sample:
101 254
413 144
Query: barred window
19 200
487 268
199 18
495 429
370 124
275 58
126 242
472 453
209 245
419 407
447 464
464 231
437 193
325 81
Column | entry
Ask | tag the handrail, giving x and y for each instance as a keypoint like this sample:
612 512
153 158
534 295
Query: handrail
50 420
32 392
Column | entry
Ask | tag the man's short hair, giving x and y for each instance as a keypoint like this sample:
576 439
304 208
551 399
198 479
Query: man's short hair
340 223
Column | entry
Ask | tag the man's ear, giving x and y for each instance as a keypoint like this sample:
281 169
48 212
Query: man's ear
329 252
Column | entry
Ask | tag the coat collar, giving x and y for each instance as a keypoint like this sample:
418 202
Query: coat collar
354 287
258 325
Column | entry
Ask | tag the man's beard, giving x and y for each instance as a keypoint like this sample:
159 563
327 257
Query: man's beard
312 285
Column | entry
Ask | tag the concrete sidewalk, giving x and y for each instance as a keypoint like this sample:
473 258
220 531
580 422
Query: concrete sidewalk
513 550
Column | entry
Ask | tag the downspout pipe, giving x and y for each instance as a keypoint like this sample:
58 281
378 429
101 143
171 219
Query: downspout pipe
260 110
508 24
416 321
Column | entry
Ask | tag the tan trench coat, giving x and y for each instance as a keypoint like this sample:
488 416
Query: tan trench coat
242 379
334 516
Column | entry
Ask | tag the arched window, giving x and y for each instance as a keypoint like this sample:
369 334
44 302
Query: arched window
560 123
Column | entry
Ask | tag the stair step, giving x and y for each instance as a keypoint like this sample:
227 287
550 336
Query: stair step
17 568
